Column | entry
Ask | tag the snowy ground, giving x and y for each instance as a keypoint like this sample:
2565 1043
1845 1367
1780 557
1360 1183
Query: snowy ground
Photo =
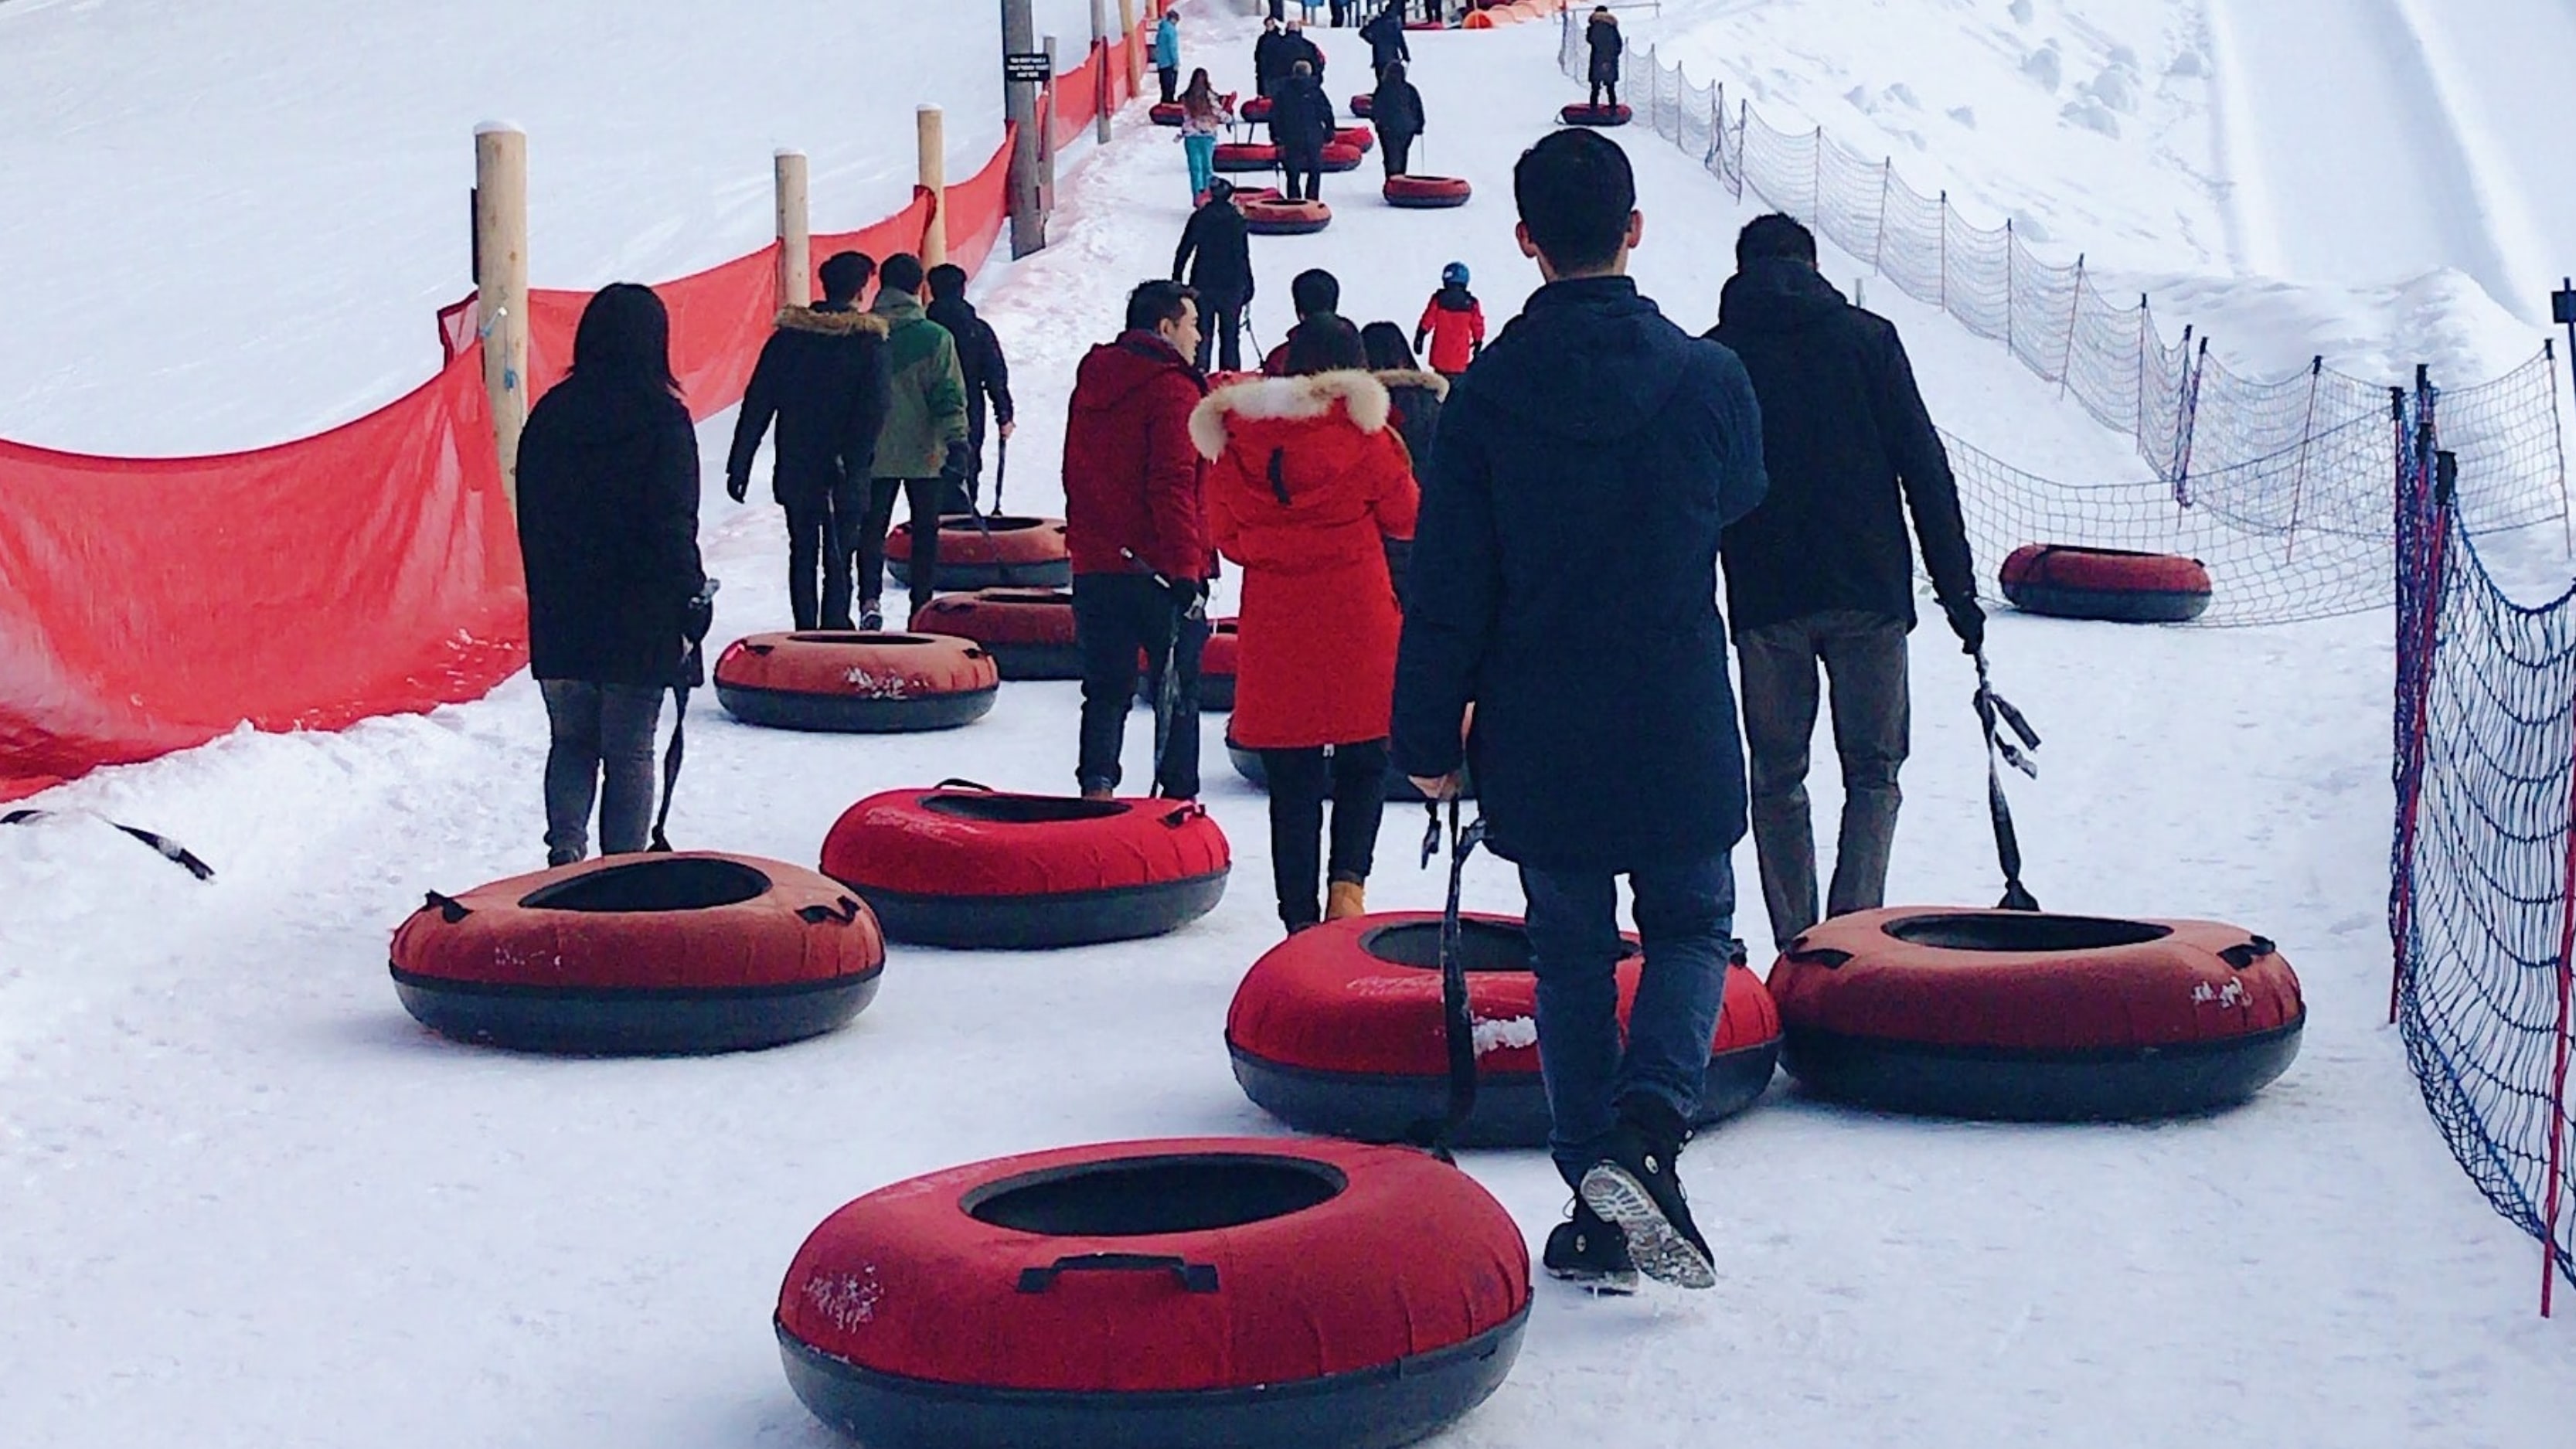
247 1196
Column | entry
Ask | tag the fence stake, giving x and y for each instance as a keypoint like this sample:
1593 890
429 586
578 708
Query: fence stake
1816 181
2012 256
1945 251
795 235
1130 44
2074 313
1099 55
2558 1080
2299 476
1886 183
2146 332
930 136
501 288
1020 107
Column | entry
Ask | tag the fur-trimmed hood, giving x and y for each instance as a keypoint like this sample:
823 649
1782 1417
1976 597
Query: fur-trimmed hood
1430 382
1361 396
831 324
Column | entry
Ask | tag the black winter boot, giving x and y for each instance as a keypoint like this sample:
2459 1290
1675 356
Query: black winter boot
1636 1187
1590 1253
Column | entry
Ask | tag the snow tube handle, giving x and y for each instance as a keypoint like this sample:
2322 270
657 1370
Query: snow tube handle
847 912
954 783
764 650
1825 956
1194 1277
1185 814
450 909
2244 956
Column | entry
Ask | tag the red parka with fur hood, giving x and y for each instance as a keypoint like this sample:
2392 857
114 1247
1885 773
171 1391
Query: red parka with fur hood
1306 482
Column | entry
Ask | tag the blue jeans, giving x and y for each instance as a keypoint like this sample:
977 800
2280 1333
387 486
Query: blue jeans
1202 153
1686 915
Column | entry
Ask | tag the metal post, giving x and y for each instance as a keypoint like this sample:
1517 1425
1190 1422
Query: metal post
1046 133
501 284
1020 106
795 237
1100 90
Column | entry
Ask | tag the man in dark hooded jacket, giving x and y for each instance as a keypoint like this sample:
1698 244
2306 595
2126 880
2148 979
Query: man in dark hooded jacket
822 378
1819 574
1269 57
1215 257
1301 121
1385 37
1601 35
1564 583
980 362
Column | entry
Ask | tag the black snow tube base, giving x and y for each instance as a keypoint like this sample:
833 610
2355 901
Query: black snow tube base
2019 1086
685 1022
966 578
1509 1113
1036 923
841 714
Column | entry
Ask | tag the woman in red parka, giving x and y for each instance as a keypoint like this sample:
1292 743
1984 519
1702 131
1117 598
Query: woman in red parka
1307 480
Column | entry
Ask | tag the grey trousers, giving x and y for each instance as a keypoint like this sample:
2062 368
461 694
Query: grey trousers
598 731
1864 661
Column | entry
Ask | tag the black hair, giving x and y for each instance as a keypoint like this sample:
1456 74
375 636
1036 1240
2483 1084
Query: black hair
1324 344
1776 235
1576 191
947 280
1314 291
1389 350
845 275
625 336
901 273
1156 302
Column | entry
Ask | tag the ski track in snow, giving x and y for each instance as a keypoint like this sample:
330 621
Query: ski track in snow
245 1194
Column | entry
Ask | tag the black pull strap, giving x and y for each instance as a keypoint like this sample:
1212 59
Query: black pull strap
168 849
954 783
2242 956
1279 476
1193 1277
846 912
672 755
450 909
1995 715
1458 1024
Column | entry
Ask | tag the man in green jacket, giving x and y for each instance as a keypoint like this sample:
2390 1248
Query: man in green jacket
922 451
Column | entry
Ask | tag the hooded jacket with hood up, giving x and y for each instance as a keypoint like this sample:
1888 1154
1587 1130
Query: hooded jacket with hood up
926 396
1564 582
1307 480
1216 251
1850 449
822 376
608 528
1131 474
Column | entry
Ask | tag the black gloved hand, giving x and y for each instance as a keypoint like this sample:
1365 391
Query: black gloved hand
738 488
959 462
698 615
1189 597
1968 621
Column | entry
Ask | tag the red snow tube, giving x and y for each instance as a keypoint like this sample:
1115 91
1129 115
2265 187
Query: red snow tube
1216 669
1364 105
1245 1292
1427 192
1029 632
1246 156
2022 1016
1286 218
1168 113
2106 583
1339 1030
856 683
1358 138
1246 195
1338 157
641 954
976 552
1256 109
972 867
1580 114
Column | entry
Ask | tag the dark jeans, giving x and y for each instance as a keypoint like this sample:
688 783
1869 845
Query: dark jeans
1305 175
1864 657
1686 916
1399 153
1220 338
1115 618
1170 78
1601 84
1353 776
598 730
923 494
820 538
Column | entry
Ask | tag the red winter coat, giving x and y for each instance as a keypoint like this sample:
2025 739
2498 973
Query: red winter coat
1316 661
1456 322
1131 480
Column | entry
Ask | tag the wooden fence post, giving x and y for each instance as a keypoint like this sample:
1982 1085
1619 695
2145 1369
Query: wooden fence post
930 128
795 234
1129 43
501 288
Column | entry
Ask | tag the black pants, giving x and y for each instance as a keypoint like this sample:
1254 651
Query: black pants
821 537
1305 170
1601 83
1399 153
1220 336
1354 777
924 496
1170 76
1116 617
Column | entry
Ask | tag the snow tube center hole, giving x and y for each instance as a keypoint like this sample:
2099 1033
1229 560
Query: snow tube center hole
1040 599
1482 945
888 641
2021 932
1142 1196
969 523
662 884
1022 809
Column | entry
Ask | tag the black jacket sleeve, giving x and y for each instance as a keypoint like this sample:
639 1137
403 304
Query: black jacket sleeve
866 418
997 371
1453 587
1923 467
1189 245
672 507
759 406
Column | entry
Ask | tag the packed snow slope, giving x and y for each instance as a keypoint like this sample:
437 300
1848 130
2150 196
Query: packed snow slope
246 1195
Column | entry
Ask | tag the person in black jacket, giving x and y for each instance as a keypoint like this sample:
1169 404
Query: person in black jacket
822 379
1385 37
1819 574
1216 254
1396 111
608 527
1269 57
1301 121
1564 583
987 373
1416 396
1601 32
1297 45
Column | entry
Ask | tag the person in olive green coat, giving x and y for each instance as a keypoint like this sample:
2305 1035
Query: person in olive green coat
922 451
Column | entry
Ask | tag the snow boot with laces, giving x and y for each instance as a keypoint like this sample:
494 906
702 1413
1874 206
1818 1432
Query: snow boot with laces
1637 1187
1590 1254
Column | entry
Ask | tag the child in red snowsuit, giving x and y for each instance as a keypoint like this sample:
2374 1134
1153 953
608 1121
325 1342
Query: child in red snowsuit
1454 321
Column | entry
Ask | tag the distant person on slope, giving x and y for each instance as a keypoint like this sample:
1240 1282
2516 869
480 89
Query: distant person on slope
980 363
608 530
1167 55
1301 46
1301 122
1306 483
1454 322
1601 33
1269 57
822 378
1819 574
1565 584
1385 37
1314 292
1204 117
922 452
1136 525
1215 256
1396 110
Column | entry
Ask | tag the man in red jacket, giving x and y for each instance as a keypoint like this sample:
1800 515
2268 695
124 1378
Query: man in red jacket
1135 525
